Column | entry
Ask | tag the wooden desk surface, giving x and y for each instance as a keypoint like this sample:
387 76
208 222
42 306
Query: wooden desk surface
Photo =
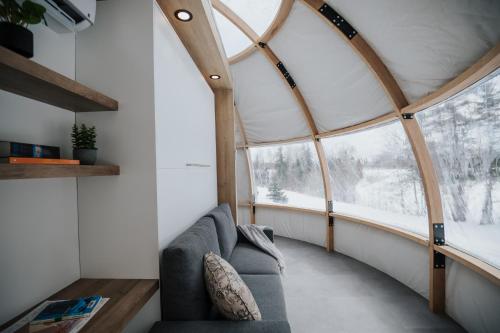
127 297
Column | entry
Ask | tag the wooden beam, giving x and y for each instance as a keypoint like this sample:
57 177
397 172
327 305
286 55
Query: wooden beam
226 149
291 208
273 59
486 65
478 266
419 239
412 129
361 126
279 19
201 38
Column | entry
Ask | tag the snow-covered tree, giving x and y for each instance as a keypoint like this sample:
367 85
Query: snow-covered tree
276 194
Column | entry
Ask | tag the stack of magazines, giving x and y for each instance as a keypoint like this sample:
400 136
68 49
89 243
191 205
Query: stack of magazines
66 316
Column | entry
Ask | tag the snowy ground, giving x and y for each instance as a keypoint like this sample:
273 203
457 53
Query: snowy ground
481 241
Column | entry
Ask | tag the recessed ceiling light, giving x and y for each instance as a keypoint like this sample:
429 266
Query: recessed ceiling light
183 15
215 77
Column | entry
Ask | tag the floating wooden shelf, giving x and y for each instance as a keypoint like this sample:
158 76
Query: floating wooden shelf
25 171
126 298
27 78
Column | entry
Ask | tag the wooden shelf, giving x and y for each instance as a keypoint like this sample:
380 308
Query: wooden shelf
26 171
27 78
126 298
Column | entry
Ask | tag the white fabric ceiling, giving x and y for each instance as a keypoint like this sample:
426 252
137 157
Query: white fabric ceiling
424 43
258 14
233 39
267 108
338 87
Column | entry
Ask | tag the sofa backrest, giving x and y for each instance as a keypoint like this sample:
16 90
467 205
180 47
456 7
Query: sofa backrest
226 229
183 292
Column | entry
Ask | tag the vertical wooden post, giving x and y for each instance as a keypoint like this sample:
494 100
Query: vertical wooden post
226 149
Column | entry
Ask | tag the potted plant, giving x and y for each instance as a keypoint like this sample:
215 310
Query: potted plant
83 139
14 21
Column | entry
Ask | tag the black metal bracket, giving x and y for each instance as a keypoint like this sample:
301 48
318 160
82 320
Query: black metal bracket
330 206
262 45
286 75
439 260
331 15
439 233
407 116
331 219
253 209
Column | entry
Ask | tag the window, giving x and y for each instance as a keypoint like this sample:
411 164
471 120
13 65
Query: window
288 175
233 39
374 175
463 136
258 14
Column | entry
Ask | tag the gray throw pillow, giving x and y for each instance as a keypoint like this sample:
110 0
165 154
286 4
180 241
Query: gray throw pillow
229 293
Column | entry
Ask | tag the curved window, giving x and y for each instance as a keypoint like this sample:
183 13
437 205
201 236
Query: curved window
288 175
463 136
374 175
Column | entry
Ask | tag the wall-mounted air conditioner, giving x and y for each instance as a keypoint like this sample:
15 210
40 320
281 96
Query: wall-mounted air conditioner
74 15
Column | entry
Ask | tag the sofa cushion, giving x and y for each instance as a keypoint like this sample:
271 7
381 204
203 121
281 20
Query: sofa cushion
226 230
227 290
184 296
248 259
268 293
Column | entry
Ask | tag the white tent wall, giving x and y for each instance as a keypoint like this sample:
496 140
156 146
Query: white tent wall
293 224
425 43
337 85
268 110
409 264
242 177
471 300
244 215
39 251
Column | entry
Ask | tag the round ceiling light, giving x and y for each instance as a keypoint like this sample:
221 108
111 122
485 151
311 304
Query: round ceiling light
215 77
183 15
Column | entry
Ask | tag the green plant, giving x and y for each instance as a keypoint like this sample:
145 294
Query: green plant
83 137
28 13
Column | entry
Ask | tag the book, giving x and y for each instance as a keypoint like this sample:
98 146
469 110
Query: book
37 160
69 309
18 149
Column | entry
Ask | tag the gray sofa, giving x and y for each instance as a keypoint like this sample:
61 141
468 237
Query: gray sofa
186 305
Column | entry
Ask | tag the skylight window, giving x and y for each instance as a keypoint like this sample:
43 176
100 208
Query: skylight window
257 14
233 39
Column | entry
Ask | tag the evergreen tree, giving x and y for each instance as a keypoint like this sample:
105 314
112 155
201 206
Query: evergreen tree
276 194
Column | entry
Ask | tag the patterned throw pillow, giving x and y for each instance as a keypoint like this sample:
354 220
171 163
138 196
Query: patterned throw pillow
228 291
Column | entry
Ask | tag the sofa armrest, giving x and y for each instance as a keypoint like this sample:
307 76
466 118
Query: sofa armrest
221 326
267 230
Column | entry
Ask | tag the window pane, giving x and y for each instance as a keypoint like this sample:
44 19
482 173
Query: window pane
258 14
463 136
374 175
288 175
233 39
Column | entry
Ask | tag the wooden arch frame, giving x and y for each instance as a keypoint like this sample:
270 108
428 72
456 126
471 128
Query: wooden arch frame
410 125
295 91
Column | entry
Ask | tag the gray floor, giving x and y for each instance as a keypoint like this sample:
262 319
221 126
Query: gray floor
330 292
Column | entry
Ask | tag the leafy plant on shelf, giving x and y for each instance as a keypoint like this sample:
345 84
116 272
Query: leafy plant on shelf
83 137
28 13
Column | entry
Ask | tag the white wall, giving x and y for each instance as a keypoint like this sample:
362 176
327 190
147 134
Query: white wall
185 134
38 219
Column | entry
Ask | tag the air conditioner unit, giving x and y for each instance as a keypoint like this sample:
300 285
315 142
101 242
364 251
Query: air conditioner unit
74 15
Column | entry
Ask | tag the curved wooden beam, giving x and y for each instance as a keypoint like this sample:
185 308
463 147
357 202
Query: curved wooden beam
412 129
361 126
486 65
277 23
288 80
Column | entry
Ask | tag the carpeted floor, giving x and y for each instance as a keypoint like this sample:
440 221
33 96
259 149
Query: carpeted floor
330 292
